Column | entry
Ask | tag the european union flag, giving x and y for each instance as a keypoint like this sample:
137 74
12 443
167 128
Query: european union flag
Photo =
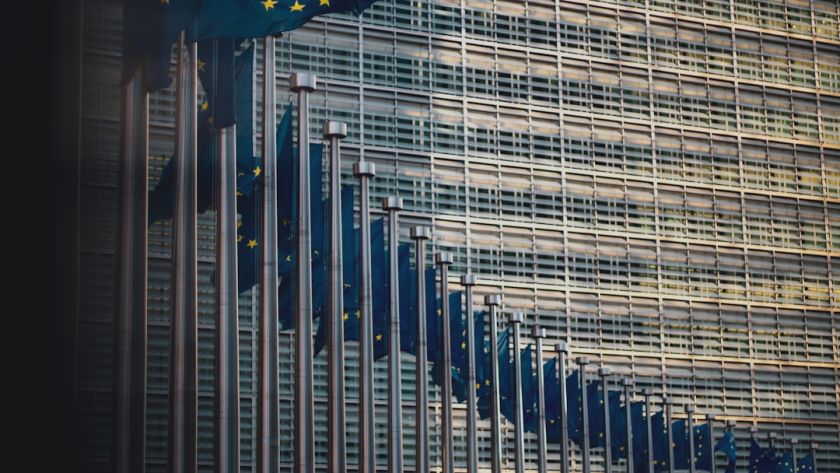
756 454
529 391
217 75
433 319
660 442
551 392
258 18
785 463
679 433
457 344
618 426
762 460
506 385
574 401
379 286
638 424
703 447
726 445
408 294
595 406
805 464
482 354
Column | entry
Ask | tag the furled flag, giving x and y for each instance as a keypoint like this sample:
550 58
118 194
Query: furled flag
660 441
618 426
552 401
638 424
506 385
679 434
703 447
573 406
595 406
529 391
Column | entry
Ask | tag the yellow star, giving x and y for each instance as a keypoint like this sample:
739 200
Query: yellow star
463 345
477 385
239 224
323 3
358 314
378 338
438 312
289 258
487 382
205 106
164 2
257 171
239 238
269 4
238 194
296 7
199 63
552 421
346 316
252 244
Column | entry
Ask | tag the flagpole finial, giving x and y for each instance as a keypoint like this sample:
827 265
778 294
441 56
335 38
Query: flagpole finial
710 417
493 299
646 392
538 332
668 401
444 258
814 445
468 280
626 382
517 318
364 168
420 232
334 129
301 81
561 347
392 203
689 409
603 371
582 360
794 442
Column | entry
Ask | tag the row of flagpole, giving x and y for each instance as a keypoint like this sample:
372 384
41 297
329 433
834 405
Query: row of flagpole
131 332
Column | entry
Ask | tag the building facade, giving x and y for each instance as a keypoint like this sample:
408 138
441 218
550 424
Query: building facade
657 183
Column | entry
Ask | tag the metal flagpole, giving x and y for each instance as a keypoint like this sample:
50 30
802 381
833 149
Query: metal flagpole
604 373
771 439
627 383
268 397
519 439
303 84
421 448
336 455
813 447
793 444
563 352
443 259
364 170
183 398
582 361
689 411
395 446
494 301
710 419
648 413
468 281
539 335
668 427
129 422
226 405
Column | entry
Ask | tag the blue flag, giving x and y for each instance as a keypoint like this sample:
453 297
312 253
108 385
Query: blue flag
529 391
679 434
457 332
618 426
574 399
595 406
216 72
762 460
638 424
259 18
482 357
551 391
805 464
703 447
660 441
433 319
785 463
379 287
408 293
755 455
726 445
506 385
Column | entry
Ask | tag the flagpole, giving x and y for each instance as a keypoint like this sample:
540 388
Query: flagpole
336 455
669 428
268 396
689 411
183 398
813 447
468 281
604 373
494 301
303 84
443 259
226 405
710 419
539 335
519 452
395 445
646 392
421 448
771 439
627 383
365 170
793 444
129 421
562 352
582 361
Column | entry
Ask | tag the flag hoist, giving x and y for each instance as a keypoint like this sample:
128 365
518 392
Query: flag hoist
393 205
421 449
365 170
268 398
494 301
303 84
336 456
468 281
443 259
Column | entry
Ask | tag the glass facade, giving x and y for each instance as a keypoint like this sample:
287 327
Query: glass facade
656 183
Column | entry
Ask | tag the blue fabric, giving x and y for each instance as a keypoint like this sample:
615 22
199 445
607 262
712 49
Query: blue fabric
506 385
573 406
679 434
660 441
618 426
217 73
258 18
638 424
726 445
785 463
530 412
702 447
805 464
595 409
379 288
